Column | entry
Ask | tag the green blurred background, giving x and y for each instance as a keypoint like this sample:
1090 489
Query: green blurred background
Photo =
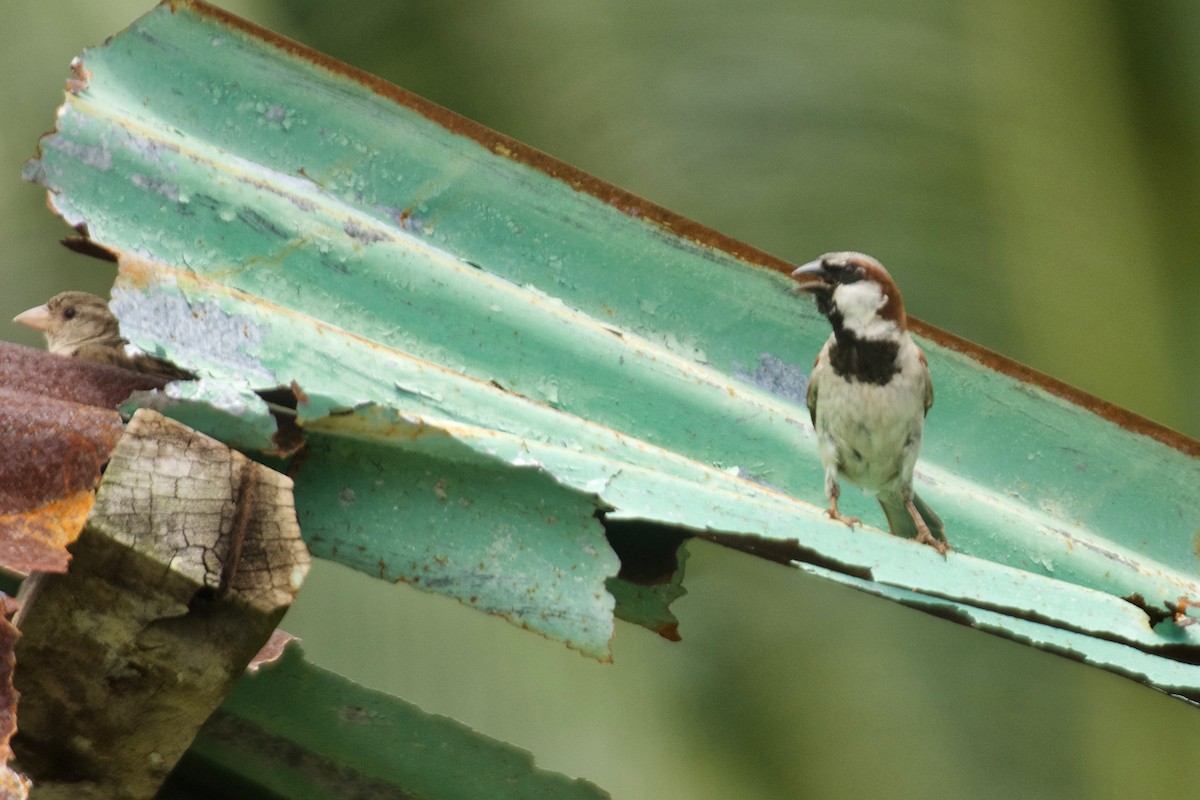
1028 171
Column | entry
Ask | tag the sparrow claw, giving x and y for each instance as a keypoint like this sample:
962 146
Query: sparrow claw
925 537
838 516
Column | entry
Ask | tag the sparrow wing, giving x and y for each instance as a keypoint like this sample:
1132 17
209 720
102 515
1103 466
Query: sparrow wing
928 383
113 355
151 365
120 356
810 398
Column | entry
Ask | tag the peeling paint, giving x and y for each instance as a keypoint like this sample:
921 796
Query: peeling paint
193 335
97 157
788 381
364 235
165 188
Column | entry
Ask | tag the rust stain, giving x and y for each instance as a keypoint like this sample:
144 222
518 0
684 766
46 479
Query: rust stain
50 448
673 223
58 424
301 397
137 273
669 631
80 77
37 540
1179 611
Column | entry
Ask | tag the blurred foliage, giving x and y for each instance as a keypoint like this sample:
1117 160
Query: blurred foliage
1026 170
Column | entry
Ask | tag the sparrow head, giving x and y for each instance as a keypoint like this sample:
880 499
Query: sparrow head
855 293
72 319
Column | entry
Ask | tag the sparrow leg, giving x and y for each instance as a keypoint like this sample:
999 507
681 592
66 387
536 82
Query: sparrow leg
923 534
833 492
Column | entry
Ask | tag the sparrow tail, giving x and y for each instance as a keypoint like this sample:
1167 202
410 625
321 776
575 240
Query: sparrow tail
901 523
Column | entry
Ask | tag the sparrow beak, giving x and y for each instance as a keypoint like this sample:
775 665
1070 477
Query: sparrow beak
37 318
811 276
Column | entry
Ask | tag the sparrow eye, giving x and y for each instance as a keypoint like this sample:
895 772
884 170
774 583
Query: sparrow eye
69 312
844 273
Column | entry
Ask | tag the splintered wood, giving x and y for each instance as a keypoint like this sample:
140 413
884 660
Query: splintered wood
190 557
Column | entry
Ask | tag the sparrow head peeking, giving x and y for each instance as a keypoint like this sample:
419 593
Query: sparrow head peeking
855 293
72 319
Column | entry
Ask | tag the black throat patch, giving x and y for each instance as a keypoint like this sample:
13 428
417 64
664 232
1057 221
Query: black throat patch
855 359
865 360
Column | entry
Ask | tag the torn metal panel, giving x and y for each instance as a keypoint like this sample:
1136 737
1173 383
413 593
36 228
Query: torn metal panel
234 414
440 294
507 541
423 189
50 457
651 576
641 483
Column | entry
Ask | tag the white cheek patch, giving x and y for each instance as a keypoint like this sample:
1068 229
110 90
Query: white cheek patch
859 299
859 302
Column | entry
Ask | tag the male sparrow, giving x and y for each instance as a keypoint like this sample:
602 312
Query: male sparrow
80 325
869 392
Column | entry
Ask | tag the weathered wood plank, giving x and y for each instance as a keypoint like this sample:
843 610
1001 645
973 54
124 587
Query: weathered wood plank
189 558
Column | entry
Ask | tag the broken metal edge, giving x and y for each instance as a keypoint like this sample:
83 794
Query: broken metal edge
676 224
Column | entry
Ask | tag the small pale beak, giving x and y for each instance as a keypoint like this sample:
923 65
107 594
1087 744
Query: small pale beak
811 276
37 318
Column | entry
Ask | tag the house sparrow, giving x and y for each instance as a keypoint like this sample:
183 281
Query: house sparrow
80 325
869 392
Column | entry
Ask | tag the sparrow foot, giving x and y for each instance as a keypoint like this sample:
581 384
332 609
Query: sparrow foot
925 537
833 513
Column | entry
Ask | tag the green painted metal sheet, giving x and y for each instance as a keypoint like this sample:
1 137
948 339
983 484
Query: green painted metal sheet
466 317
345 740
512 542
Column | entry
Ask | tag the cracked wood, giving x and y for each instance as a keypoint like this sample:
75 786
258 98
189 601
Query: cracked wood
189 558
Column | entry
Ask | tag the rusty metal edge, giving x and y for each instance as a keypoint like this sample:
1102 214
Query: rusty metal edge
646 210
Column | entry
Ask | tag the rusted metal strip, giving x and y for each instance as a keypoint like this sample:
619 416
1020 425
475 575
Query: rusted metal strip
58 424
